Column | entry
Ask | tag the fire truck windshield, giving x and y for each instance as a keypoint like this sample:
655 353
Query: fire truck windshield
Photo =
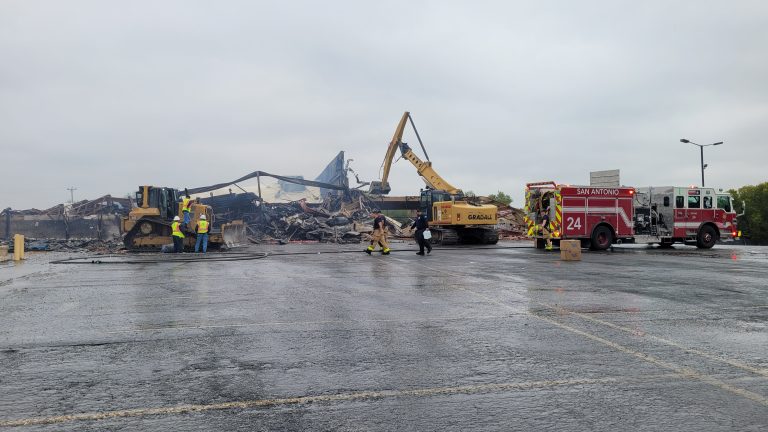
724 202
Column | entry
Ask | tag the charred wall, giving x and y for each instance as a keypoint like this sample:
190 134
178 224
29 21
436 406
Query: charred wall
103 227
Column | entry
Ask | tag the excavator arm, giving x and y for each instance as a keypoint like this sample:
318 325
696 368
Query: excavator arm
424 169
382 187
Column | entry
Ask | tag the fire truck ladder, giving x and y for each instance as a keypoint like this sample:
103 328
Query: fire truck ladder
654 225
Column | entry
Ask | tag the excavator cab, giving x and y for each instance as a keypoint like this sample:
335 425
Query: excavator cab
431 196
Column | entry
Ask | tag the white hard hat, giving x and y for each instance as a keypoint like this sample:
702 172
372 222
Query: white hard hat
176 218
202 217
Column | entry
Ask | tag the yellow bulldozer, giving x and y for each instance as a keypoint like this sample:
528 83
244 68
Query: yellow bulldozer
453 217
148 226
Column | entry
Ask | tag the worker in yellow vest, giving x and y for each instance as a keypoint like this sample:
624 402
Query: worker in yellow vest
186 204
202 229
178 236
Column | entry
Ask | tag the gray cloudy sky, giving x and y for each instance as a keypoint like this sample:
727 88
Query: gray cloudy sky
105 96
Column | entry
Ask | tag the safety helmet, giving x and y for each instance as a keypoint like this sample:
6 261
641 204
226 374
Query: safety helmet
202 217
176 218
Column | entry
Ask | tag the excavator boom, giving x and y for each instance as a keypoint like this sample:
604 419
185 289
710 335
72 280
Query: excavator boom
382 187
452 218
425 170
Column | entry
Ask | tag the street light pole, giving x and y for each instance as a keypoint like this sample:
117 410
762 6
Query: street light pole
701 148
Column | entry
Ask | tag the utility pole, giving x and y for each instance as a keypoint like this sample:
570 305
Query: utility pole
72 190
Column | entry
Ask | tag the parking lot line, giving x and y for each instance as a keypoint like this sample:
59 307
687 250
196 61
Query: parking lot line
342 397
686 372
734 363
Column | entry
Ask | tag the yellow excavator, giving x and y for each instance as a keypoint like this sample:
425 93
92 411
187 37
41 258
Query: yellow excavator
148 226
452 217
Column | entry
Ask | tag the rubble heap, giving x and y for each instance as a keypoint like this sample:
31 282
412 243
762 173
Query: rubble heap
337 220
511 223
78 245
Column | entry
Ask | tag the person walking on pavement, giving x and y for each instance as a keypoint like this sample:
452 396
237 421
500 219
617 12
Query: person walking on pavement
202 234
186 204
421 226
178 236
545 228
379 233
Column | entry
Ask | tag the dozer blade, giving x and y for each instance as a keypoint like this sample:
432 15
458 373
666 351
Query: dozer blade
234 234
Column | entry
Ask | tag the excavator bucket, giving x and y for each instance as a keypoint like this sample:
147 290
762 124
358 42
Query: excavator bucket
379 188
234 234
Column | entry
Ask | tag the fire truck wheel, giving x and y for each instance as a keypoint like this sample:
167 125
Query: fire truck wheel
707 237
602 238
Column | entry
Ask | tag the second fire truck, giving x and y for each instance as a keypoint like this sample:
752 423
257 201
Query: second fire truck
602 216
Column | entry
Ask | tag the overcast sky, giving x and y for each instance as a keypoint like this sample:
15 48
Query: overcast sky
105 96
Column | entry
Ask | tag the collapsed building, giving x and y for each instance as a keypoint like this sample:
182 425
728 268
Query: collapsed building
294 209
277 209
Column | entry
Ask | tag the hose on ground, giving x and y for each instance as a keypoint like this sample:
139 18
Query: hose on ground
235 256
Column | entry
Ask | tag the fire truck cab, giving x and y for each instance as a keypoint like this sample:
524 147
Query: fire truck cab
602 216
689 215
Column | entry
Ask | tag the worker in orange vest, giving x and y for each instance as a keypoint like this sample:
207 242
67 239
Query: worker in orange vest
202 229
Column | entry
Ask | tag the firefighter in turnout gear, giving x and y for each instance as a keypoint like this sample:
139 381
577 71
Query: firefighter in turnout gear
545 227
178 236
379 234
202 229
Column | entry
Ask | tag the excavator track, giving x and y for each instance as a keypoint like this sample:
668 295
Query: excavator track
490 236
478 235
444 236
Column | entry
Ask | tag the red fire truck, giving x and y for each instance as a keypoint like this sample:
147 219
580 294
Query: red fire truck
602 216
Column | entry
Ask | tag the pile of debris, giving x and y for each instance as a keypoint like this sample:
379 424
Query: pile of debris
340 218
350 222
511 223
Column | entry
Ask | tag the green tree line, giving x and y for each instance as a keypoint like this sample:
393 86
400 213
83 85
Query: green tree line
754 223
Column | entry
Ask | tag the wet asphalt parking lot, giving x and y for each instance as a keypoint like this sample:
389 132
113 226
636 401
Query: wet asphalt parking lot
325 337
